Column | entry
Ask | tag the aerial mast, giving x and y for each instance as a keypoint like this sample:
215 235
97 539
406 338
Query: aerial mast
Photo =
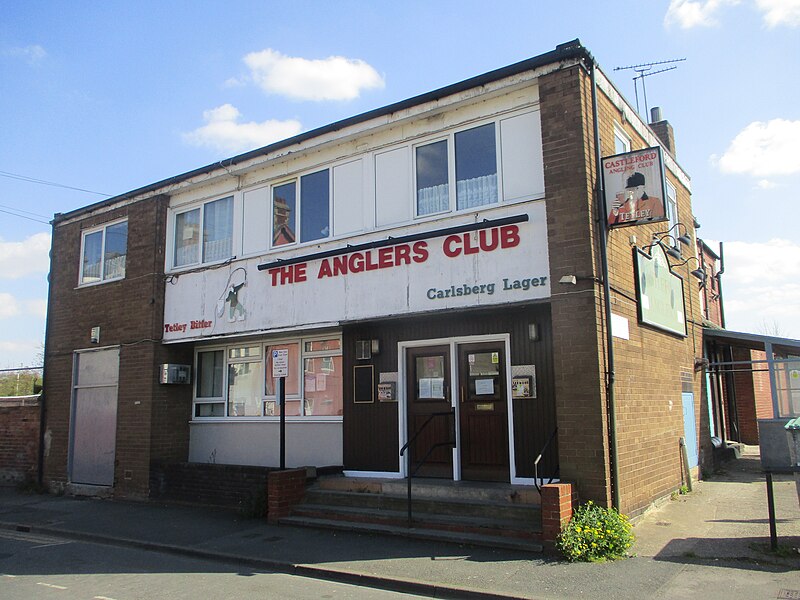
645 70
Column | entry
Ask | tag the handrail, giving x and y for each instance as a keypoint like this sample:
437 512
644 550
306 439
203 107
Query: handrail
407 445
538 458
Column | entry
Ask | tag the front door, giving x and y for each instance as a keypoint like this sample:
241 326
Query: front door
483 409
428 385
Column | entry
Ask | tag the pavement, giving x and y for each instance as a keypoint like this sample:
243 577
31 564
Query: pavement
711 543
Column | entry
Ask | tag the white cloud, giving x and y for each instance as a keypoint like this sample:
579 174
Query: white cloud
332 78
780 12
33 55
225 133
762 284
9 307
28 257
766 184
764 149
695 13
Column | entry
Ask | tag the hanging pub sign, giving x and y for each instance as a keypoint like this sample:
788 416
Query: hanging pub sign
634 187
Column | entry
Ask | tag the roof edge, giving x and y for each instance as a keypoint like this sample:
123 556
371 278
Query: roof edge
568 50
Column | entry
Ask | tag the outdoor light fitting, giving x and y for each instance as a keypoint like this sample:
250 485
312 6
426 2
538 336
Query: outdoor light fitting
683 238
573 279
698 273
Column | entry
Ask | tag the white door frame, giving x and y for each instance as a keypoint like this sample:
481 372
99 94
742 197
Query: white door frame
402 395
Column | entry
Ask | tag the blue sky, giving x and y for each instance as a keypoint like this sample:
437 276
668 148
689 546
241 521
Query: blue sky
111 96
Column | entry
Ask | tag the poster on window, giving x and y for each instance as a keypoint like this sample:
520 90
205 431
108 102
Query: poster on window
634 187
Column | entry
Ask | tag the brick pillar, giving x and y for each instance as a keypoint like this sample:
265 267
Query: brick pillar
558 502
284 490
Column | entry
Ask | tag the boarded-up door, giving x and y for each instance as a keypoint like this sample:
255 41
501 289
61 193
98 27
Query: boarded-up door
94 417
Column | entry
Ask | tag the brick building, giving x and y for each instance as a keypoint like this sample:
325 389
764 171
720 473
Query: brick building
449 254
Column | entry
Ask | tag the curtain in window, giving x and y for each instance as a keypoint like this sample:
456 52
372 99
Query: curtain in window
218 230
115 251
433 199
477 191
187 227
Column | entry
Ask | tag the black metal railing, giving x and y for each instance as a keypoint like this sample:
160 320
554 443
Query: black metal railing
539 458
451 442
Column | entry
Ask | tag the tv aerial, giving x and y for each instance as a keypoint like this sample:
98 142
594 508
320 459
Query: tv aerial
646 70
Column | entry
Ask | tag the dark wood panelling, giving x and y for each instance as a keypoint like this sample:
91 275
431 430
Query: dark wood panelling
371 430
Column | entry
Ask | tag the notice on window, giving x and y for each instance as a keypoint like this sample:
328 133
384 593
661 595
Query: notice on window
425 388
431 388
484 387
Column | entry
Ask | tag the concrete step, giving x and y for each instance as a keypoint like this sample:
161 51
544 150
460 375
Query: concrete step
497 527
465 508
440 489
461 538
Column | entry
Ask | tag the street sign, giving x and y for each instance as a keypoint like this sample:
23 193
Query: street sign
280 363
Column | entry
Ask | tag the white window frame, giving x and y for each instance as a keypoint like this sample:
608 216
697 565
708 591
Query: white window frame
450 137
623 138
210 399
298 187
451 174
263 346
101 228
201 207
671 206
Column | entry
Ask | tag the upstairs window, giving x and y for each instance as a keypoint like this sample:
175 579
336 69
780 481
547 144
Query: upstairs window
433 188
313 211
672 207
470 155
622 142
476 167
103 253
204 234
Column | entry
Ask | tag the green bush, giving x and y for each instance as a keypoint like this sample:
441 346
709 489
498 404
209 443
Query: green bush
595 534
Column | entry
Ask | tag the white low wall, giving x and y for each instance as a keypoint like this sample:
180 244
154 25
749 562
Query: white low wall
252 443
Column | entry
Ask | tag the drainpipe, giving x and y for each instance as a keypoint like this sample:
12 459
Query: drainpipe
599 197
719 285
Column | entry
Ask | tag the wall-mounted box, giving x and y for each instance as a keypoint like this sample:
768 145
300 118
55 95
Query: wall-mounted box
175 373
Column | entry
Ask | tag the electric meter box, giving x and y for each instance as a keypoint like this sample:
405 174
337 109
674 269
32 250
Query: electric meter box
176 373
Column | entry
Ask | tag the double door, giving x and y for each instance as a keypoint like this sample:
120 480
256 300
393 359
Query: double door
469 415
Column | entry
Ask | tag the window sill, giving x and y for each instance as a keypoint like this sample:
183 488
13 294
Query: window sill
81 286
182 270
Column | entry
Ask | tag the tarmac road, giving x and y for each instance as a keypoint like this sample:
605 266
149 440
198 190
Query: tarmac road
47 567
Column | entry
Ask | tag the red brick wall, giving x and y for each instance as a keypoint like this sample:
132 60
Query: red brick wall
284 490
577 337
129 313
19 440
559 501
652 367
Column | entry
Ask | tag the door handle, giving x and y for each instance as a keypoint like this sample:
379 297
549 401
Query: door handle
462 393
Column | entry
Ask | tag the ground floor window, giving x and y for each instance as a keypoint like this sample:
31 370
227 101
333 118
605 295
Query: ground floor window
236 380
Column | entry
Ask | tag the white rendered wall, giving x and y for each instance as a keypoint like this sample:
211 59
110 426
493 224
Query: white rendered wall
258 444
